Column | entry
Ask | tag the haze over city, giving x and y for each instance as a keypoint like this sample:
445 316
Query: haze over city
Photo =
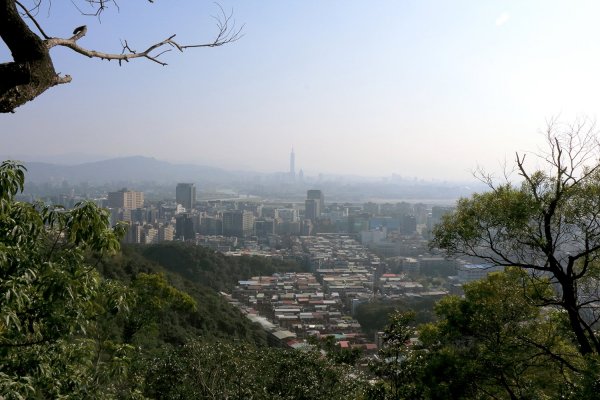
417 88
281 200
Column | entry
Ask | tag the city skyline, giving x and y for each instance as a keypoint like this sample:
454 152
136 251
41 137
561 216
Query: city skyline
425 89
76 159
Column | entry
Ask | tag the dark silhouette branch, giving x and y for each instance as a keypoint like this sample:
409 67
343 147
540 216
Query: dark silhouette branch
32 18
557 228
32 72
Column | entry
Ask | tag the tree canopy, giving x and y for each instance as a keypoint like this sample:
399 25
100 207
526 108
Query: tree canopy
201 370
548 225
51 297
493 343
31 72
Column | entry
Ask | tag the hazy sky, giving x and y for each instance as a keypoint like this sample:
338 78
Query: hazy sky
416 88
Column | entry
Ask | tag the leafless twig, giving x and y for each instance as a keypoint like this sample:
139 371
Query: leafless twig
228 32
31 17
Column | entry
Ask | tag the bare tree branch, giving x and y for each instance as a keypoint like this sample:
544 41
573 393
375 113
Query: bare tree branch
32 71
32 18
228 33
550 224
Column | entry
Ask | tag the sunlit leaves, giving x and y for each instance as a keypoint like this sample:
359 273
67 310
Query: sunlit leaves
504 218
497 341
153 298
12 179
49 296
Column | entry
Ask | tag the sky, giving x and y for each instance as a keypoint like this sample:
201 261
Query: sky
428 89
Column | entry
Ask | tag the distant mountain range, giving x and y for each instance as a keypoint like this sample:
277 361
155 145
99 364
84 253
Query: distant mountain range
125 169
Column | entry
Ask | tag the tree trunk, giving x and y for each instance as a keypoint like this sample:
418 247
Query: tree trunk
31 71
569 297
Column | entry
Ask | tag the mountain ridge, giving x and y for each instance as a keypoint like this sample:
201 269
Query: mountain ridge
121 169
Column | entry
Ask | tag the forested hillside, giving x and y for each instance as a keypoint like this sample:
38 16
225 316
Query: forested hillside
209 268
212 317
201 273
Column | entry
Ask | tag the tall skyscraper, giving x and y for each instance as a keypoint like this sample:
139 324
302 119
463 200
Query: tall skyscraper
293 164
185 194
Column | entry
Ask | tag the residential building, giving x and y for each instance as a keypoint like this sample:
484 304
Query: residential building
185 194
311 209
184 227
166 233
126 199
315 194
239 223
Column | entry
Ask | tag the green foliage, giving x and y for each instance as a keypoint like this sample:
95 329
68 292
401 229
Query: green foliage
548 224
397 360
212 316
210 268
334 352
50 296
496 342
153 300
589 386
375 315
202 370
507 211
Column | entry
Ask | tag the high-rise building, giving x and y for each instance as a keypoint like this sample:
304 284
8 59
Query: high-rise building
149 235
184 227
239 223
134 233
185 194
292 164
264 227
126 199
408 225
139 215
166 233
311 209
306 228
317 195
210 225
286 214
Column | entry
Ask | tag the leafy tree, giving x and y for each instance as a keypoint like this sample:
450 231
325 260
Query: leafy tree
374 315
221 370
51 298
396 359
334 352
548 225
497 343
32 72
211 268
154 298
180 265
